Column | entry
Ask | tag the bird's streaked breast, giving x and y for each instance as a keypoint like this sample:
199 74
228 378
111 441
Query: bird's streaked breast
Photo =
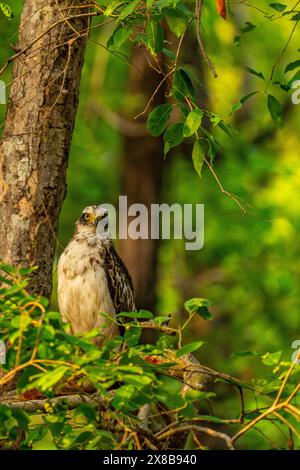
83 291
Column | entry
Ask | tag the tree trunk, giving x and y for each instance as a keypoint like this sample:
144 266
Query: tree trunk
37 134
142 172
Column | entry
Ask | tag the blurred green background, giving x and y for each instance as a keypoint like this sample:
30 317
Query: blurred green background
249 267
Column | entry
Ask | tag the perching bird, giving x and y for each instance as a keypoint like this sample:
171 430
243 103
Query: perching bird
92 278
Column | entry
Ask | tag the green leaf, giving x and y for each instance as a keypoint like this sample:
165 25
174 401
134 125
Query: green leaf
244 353
126 11
193 395
6 10
155 37
86 410
271 359
173 136
169 53
158 119
183 86
296 17
128 397
161 320
226 128
7 268
278 6
292 66
198 155
212 143
192 122
189 348
118 37
110 8
249 27
47 380
284 86
242 101
275 110
199 306
254 72
246 29
20 320
177 24
139 314
22 417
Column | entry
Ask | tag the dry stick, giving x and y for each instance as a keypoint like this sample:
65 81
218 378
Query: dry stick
83 32
155 93
255 421
293 365
240 389
11 374
66 15
64 74
152 326
163 80
24 316
198 12
61 90
295 6
275 407
57 23
292 395
22 326
119 55
43 89
232 196
199 445
66 18
254 7
67 38
192 427
293 410
35 348
157 70
32 406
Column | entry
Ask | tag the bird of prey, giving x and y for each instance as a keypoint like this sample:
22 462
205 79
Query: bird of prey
92 278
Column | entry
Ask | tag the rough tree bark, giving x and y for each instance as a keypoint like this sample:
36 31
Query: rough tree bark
142 173
37 134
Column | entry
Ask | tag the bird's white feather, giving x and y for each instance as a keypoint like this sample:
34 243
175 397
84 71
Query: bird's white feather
83 291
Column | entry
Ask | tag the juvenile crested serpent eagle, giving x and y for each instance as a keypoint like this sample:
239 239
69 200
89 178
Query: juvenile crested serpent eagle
92 278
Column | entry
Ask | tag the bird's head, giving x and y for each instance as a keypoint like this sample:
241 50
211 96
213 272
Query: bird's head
93 219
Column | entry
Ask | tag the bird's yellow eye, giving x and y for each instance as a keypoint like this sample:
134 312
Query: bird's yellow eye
87 217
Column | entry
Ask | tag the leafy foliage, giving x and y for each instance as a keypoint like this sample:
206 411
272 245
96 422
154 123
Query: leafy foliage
143 24
6 10
114 383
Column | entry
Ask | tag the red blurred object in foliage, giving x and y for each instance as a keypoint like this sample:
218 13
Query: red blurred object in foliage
33 394
221 7
152 359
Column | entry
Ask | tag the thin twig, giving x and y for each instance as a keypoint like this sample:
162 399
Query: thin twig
198 13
